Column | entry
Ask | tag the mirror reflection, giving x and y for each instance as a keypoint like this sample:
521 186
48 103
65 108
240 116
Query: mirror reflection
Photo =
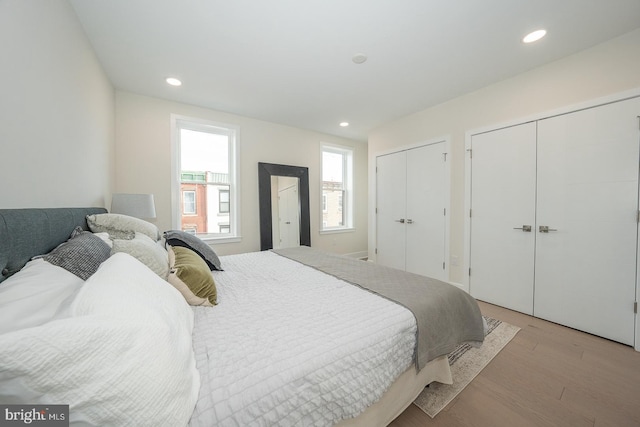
285 211
284 206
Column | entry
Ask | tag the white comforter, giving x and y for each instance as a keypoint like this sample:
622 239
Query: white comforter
288 345
123 357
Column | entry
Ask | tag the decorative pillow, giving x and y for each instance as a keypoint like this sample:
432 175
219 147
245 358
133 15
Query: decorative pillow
121 226
186 240
146 251
189 274
81 255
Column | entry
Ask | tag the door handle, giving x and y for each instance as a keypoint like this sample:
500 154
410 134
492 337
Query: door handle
409 221
525 228
401 220
545 229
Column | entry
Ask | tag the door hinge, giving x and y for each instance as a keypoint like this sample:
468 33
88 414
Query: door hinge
445 156
444 212
469 213
635 307
443 265
469 271
470 153
638 217
376 210
376 251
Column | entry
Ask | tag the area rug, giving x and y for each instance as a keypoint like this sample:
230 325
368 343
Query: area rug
466 363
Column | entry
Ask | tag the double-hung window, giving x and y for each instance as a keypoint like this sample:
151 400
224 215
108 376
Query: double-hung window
206 179
337 188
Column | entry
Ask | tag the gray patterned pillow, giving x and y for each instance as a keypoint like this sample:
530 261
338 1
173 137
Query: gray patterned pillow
81 255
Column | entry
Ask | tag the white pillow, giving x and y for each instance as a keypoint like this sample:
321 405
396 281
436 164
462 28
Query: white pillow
121 226
105 238
124 357
35 295
146 251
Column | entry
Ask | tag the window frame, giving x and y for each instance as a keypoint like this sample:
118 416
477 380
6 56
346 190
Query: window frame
179 122
348 170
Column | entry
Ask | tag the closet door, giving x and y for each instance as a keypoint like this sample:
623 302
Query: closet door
503 190
588 198
425 223
411 223
391 199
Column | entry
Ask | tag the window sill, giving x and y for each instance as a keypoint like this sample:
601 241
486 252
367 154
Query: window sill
338 230
216 240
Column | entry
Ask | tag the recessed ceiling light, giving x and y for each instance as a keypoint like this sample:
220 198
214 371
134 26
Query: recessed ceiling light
534 36
359 58
173 81
344 124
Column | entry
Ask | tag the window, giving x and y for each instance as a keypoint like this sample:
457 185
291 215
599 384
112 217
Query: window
337 194
189 202
223 204
205 167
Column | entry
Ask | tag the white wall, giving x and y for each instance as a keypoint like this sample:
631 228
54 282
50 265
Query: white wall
602 70
56 110
143 164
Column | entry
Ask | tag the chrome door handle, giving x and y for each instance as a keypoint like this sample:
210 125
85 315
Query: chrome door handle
525 228
409 221
401 220
545 229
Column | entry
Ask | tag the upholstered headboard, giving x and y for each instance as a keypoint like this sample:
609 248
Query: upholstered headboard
25 233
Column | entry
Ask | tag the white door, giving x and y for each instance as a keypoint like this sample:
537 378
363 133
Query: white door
588 198
425 222
503 186
391 187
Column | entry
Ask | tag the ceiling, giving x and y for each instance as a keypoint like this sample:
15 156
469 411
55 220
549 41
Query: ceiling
290 61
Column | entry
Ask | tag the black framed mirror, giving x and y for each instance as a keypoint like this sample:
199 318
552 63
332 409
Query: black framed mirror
266 171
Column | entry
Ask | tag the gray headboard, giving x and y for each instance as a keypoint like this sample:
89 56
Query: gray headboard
25 233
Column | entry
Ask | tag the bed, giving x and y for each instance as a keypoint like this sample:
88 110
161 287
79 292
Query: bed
290 337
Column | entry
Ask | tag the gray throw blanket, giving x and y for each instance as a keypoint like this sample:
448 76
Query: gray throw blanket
446 316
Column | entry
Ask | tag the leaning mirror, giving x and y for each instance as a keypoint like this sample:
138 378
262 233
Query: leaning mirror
284 206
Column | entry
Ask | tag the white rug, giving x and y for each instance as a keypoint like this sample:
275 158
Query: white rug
466 363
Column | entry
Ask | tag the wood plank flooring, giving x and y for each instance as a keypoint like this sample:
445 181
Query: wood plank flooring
548 375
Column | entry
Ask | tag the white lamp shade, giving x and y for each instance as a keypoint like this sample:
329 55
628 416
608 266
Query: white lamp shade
136 205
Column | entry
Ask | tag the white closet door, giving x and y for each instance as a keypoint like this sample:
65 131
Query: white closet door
588 197
425 224
391 209
503 185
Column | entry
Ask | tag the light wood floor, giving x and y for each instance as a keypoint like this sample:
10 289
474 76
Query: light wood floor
548 375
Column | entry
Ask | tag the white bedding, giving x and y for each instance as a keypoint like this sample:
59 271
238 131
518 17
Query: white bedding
123 357
288 345
35 295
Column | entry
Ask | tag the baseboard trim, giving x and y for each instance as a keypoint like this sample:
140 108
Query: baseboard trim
459 285
360 255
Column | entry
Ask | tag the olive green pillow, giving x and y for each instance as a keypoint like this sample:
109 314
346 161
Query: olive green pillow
190 274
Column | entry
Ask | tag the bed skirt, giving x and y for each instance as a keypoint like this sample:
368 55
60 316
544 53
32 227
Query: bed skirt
401 394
